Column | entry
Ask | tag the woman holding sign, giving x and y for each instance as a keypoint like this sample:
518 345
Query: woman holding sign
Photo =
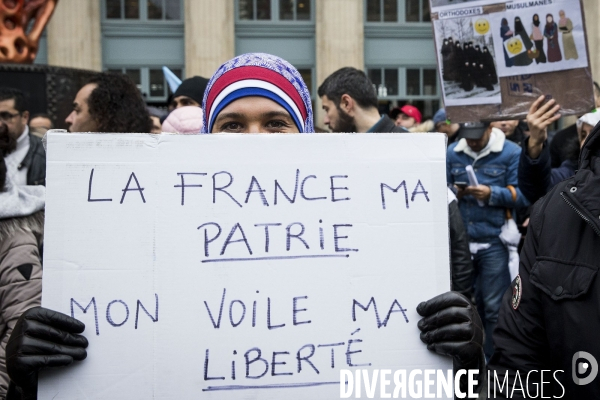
252 93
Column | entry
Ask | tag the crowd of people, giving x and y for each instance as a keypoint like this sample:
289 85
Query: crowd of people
492 167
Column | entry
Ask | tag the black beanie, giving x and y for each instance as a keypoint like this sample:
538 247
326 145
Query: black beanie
193 88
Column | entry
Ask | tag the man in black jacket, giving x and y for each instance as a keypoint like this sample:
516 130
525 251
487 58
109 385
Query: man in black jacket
551 313
27 164
350 104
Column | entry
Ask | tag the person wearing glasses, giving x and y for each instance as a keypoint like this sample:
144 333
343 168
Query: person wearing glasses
27 163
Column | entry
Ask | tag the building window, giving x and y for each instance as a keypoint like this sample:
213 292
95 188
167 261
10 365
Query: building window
385 81
251 10
294 10
420 82
406 85
417 11
276 10
382 10
150 81
397 11
143 10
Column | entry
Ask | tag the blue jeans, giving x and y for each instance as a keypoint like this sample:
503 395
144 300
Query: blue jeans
491 281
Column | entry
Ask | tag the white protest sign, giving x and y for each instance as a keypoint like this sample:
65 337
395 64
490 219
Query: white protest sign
243 266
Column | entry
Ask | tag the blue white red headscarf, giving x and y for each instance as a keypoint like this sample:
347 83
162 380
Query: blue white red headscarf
258 74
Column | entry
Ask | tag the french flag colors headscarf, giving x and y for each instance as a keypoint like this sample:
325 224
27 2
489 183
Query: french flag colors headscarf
258 74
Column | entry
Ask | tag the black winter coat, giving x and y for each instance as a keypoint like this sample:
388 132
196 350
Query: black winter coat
387 125
554 312
460 255
35 162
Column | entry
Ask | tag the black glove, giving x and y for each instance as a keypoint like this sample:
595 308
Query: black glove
452 327
41 338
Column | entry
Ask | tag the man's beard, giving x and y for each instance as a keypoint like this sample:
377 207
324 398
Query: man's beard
345 123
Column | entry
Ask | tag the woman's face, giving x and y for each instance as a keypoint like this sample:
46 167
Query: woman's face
549 19
584 132
536 18
254 115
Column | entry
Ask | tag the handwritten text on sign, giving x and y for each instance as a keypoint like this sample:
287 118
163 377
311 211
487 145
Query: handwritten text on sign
264 263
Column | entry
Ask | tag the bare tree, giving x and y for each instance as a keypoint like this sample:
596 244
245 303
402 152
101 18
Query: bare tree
464 28
443 28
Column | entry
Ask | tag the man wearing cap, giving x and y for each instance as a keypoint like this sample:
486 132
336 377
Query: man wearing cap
189 93
444 125
407 116
350 104
483 207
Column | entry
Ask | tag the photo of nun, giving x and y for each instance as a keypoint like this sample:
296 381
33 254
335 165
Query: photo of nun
523 58
478 75
489 68
459 59
448 72
467 70
538 39
566 28
506 34
551 34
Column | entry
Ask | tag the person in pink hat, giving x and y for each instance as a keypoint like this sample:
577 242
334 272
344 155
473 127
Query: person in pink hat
184 120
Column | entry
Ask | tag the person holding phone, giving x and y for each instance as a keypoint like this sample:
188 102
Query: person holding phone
483 207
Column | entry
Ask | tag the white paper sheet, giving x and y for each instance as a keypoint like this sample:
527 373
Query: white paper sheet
162 238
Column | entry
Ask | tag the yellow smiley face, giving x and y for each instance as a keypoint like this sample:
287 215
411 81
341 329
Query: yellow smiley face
482 26
514 46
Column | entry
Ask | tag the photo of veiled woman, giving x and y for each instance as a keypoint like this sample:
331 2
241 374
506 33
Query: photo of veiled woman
542 38
551 34
538 39
565 26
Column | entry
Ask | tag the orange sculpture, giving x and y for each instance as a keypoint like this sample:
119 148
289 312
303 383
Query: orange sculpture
21 25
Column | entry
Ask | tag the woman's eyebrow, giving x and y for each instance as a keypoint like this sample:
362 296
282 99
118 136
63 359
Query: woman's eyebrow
274 114
231 115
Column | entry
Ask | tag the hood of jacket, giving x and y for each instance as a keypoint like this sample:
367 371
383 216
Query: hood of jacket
21 201
33 223
591 148
583 190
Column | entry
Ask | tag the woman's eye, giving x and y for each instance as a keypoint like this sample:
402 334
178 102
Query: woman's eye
230 127
277 124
